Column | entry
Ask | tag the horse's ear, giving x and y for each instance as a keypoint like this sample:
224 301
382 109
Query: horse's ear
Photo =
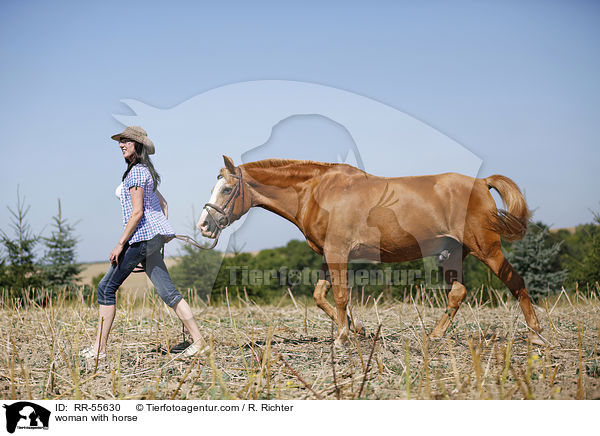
229 164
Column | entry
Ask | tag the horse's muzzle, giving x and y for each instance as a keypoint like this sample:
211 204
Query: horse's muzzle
209 229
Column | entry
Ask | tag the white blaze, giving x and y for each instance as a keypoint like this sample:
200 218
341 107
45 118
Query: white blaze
213 199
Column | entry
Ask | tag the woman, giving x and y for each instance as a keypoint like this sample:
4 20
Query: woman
146 231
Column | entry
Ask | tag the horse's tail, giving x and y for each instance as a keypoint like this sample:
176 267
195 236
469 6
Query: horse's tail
512 223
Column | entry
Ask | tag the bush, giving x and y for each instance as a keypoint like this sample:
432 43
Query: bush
588 269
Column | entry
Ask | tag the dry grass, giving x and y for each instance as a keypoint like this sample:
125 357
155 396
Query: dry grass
285 351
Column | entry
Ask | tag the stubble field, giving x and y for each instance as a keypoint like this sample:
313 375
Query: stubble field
285 350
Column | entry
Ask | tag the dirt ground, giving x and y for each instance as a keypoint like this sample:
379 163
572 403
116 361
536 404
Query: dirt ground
285 351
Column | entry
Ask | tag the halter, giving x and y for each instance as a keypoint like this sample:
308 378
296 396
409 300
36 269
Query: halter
226 215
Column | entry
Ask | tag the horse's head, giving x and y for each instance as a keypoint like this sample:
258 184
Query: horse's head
226 203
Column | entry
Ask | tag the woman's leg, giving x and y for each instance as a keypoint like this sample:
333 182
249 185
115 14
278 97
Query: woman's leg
158 274
106 316
184 312
107 289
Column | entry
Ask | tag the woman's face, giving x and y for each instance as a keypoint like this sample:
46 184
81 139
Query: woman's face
127 147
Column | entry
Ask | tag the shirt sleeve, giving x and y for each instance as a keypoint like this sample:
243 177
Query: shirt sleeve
136 177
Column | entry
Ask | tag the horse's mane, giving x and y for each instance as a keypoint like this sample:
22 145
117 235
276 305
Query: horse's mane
271 163
288 170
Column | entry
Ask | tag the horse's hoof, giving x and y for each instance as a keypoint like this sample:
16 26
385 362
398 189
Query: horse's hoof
535 339
359 328
436 334
340 342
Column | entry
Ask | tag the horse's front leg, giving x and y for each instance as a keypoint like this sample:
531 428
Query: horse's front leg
338 267
320 293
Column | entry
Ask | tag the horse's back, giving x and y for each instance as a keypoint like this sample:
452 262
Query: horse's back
441 191
399 214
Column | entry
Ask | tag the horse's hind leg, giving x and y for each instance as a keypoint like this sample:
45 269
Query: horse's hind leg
499 265
452 268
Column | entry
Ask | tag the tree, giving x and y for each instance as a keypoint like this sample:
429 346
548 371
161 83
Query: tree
21 271
3 277
588 270
197 270
59 266
270 272
536 258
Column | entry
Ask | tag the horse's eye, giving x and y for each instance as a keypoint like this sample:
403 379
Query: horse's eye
220 176
226 190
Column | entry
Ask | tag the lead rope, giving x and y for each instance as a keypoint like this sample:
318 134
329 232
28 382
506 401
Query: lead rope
189 240
237 190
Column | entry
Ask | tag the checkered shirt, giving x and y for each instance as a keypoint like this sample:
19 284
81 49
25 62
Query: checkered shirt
154 221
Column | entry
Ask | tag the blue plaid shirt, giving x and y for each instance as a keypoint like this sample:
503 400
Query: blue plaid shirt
154 221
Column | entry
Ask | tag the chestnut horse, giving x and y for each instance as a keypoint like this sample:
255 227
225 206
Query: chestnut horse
346 214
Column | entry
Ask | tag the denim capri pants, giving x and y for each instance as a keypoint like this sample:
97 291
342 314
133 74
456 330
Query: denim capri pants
148 254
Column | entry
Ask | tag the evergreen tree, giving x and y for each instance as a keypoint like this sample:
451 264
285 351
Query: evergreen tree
537 260
3 277
60 268
21 271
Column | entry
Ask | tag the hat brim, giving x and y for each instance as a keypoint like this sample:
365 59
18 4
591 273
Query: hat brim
147 143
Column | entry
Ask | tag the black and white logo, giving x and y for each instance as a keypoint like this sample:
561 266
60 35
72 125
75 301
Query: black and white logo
26 415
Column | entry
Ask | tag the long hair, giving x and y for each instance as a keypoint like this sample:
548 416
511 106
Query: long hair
141 157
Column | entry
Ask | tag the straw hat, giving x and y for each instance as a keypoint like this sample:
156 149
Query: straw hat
137 134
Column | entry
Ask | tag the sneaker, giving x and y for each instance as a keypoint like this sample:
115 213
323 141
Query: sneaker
89 353
193 349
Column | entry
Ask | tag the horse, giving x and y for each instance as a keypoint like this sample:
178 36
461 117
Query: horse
346 214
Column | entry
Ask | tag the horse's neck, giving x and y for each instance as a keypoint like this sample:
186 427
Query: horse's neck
279 189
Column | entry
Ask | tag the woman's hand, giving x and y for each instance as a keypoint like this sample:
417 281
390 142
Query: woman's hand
114 255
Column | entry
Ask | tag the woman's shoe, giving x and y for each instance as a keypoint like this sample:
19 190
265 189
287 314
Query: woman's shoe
194 349
89 353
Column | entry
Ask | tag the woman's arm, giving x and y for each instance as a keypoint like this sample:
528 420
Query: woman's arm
163 204
137 203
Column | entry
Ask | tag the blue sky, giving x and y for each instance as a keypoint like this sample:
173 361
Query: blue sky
516 83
